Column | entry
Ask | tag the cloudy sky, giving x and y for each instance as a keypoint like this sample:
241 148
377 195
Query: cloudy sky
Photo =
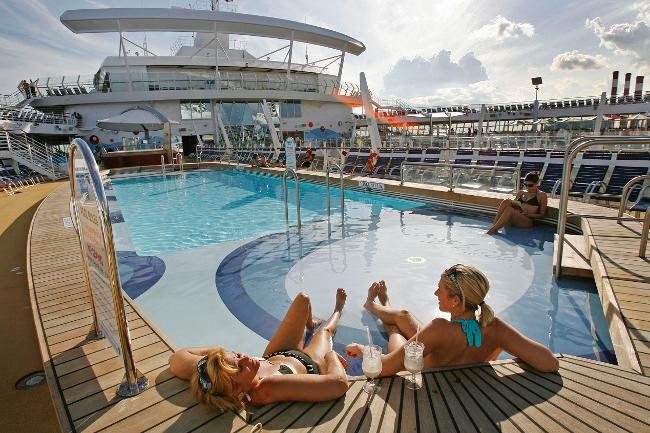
443 51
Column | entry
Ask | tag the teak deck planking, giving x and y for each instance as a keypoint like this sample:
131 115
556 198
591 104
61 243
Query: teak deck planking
500 396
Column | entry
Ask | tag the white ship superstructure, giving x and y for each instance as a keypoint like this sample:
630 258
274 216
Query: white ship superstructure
208 90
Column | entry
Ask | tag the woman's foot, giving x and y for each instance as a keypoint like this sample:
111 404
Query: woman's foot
373 292
382 293
341 296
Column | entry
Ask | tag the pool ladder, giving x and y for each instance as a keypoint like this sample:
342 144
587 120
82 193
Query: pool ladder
286 202
334 168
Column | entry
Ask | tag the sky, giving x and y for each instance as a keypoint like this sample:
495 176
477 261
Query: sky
422 51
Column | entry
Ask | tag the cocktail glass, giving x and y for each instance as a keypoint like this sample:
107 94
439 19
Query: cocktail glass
371 366
414 362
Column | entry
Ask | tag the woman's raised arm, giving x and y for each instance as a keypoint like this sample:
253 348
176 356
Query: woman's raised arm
531 352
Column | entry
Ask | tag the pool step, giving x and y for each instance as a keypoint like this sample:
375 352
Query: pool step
575 262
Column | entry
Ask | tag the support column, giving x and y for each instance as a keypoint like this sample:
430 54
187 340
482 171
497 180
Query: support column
126 61
289 59
277 146
600 113
215 122
373 130
338 79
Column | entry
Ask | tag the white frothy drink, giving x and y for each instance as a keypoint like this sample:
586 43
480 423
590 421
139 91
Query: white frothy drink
413 364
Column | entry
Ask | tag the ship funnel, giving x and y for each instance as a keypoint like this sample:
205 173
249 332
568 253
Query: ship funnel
612 95
638 88
626 88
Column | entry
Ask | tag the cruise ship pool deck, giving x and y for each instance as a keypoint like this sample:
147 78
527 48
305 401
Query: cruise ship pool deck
504 395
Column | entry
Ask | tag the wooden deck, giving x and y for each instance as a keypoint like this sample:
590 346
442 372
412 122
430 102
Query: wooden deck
501 396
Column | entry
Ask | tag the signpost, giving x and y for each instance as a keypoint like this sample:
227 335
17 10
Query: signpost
90 210
290 149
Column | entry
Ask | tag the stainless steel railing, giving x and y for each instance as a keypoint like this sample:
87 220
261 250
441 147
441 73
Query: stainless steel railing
327 188
572 150
162 165
286 201
451 175
644 235
627 190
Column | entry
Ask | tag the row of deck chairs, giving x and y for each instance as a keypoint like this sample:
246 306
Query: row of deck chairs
26 115
12 183
600 175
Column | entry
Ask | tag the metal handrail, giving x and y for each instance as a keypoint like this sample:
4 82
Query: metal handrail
327 188
453 166
162 165
134 382
644 235
569 155
626 192
286 201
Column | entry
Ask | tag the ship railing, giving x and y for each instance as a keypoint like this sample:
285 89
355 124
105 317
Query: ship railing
151 82
478 177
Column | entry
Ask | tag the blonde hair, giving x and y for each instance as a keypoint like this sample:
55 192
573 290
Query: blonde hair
222 394
471 285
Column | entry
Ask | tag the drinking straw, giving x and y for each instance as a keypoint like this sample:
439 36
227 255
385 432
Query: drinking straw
369 340
416 334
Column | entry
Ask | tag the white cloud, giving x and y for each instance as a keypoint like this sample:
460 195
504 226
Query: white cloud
501 28
631 39
574 59
480 92
420 76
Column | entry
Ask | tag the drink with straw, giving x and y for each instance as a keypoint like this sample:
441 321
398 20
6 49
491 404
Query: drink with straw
371 366
414 362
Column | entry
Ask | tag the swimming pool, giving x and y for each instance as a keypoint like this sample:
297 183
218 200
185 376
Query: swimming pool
209 258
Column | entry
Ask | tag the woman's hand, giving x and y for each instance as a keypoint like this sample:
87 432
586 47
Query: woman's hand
343 361
354 350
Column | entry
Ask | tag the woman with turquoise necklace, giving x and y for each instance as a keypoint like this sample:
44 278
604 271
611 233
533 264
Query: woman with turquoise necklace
467 338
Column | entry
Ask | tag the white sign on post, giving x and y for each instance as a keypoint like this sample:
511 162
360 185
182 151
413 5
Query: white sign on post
290 149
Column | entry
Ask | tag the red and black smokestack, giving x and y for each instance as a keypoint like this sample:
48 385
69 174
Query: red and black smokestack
626 88
612 95
638 88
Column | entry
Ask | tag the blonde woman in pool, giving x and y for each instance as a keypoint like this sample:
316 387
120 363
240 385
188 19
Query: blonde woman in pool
228 380
465 339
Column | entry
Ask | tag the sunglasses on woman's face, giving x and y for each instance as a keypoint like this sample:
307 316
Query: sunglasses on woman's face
529 185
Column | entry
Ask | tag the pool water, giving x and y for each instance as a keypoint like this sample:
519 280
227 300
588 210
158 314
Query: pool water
227 267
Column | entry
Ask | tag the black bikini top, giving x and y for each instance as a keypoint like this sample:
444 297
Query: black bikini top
531 201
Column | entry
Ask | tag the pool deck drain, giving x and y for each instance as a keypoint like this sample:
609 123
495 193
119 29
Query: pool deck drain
504 395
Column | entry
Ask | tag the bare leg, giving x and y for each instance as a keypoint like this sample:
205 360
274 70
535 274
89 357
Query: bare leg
290 333
395 339
501 222
403 319
502 207
510 216
321 343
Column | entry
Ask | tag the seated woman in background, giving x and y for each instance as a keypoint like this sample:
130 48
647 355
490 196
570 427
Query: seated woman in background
465 339
228 380
307 158
527 206
259 161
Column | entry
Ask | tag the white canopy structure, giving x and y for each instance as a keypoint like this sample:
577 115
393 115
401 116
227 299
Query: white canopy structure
135 119
188 20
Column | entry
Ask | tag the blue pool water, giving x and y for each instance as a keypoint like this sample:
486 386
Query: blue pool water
214 263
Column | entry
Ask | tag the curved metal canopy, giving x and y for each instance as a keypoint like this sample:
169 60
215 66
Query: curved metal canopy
188 20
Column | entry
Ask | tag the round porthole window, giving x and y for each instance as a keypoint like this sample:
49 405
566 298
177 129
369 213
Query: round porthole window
31 380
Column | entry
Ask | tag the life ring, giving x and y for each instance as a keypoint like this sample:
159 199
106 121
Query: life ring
94 139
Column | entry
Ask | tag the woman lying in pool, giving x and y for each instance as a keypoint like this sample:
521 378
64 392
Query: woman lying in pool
288 372
465 339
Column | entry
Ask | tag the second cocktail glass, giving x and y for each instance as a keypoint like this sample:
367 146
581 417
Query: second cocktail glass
371 366
414 362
